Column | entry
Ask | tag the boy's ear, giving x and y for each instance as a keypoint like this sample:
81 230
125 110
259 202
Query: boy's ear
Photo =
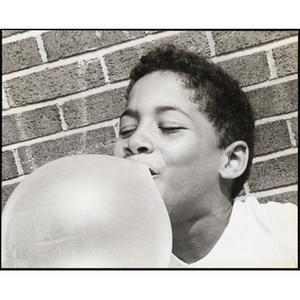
235 160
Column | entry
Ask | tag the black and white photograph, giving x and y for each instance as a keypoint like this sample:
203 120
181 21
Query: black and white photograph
149 149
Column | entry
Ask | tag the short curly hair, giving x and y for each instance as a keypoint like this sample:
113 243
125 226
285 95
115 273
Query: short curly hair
220 98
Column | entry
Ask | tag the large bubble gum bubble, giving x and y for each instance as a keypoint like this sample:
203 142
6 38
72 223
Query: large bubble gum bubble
86 211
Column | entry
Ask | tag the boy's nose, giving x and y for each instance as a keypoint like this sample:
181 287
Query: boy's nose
139 143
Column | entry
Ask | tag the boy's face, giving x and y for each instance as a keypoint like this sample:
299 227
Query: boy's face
163 129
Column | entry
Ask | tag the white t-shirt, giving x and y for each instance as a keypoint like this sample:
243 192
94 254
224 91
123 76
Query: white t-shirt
257 236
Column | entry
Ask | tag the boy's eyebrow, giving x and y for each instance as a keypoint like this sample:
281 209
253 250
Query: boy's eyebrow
130 113
165 108
158 110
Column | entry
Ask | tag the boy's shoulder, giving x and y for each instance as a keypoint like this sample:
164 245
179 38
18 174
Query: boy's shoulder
273 213
280 220
272 210
271 229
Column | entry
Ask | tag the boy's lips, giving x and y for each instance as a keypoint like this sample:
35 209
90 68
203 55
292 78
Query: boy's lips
153 173
152 170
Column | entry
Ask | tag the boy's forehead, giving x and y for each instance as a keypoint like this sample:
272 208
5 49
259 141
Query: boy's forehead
166 89
159 79
167 86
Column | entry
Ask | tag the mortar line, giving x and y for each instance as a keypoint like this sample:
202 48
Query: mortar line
276 191
64 125
276 118
270 83
22 36
211 43
104 68
247 188
63 99
89 55
5 104
259 48
13 180
117 128
62 134
18 162
148 38
270 192
274 155
41 47
271 63
112 86
291 133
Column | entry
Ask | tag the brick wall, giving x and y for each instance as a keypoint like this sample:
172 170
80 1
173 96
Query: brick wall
62 94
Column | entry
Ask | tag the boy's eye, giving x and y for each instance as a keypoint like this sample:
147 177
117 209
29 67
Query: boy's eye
124 133
170 130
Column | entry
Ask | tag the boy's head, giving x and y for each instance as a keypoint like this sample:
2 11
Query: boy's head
219 97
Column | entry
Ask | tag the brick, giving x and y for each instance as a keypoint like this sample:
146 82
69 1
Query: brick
229 41
134 34
286 59
10 131
289 197
98 141
273 173
6 192
9 168
7 33
95 108
20 55
52 83
31 124
194 40
63 43
274 100
120 63
249 69
271 137
294 122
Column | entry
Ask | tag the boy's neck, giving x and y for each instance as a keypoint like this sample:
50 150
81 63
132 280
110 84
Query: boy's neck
196 238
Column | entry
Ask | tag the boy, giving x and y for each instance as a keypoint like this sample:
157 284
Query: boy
192 125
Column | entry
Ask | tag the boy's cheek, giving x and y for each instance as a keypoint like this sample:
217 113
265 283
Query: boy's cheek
117 150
